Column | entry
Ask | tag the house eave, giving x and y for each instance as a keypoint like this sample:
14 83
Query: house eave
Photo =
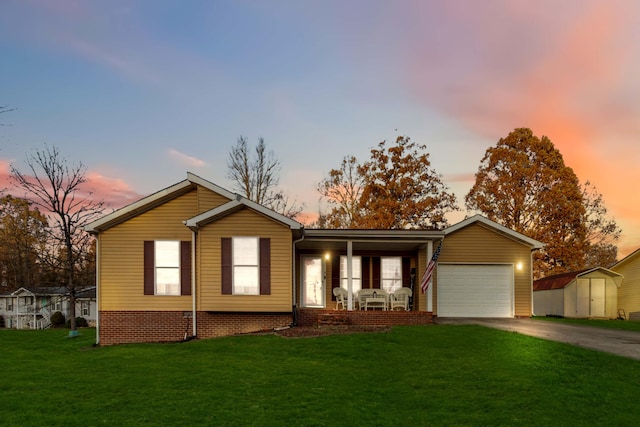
505 231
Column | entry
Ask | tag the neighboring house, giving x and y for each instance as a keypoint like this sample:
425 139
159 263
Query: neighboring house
590 293
629 293
86 306
195 260
32 307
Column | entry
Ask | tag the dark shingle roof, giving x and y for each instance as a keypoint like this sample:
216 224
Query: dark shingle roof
557 281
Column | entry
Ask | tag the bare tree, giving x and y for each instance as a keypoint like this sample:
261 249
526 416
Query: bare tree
257 178
58 189
5 109
342 190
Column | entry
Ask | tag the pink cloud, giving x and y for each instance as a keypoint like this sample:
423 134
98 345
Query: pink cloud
114 192
569 74
186 159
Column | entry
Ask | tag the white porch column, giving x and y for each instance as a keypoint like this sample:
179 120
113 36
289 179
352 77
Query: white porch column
349 275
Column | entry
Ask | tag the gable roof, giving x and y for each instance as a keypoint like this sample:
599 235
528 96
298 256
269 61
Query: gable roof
562 280
154 200
40 291
501 229
235 205
627 259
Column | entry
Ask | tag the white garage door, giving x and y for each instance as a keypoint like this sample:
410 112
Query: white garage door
475 290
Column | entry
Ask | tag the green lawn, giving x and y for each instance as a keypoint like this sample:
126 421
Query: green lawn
433 375
600 323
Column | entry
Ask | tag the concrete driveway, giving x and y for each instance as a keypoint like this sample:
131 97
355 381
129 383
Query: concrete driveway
623 343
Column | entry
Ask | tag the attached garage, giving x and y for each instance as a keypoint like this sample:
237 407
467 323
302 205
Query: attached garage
475 290
484 270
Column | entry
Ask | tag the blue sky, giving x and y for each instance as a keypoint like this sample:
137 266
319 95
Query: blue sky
143 91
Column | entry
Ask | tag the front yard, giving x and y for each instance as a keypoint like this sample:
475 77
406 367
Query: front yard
420 375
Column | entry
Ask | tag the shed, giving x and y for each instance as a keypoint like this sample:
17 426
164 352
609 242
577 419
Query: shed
586 293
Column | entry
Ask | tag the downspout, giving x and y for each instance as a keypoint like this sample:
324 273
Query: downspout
97 289
293 281
193 282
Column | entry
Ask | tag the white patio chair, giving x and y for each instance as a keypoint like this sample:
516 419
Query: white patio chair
400 299
363 294
341 298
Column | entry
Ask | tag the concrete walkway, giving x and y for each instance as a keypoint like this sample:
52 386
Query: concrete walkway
623 343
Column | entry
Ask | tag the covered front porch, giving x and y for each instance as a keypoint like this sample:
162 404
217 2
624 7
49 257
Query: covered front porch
333 269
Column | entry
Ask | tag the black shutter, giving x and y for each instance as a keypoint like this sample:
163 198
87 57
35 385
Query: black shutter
149 267
366 273
376 272
335 275
227 274
185 268
265 266
406 272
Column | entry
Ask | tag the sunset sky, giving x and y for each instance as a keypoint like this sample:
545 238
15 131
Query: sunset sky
141 92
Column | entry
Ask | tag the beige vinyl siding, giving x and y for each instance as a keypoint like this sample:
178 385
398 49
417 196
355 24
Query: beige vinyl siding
244 223
122 276
629 292
208 200
477 244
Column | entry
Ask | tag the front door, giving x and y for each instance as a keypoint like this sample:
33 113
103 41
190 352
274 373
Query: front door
313 282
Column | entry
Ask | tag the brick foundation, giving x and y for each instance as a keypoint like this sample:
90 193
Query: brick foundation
120 327
314 317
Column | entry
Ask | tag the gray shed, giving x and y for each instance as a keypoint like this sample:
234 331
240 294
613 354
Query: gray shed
586 293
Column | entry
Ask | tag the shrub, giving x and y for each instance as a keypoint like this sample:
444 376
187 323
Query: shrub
57 319
1 321
81 322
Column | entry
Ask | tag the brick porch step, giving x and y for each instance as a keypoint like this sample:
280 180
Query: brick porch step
333 319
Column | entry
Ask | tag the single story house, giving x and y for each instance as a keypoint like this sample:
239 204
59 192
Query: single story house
32 307
589 293
629 294
196 260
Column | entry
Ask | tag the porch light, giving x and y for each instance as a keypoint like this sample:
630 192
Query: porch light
519 266
327 256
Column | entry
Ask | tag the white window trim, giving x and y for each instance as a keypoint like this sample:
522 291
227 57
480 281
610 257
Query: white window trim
356 273
383 279
176 292
251 289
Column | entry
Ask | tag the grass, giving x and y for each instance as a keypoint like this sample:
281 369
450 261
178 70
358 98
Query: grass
624 325
434 375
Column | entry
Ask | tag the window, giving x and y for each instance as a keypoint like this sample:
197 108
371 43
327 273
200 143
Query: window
356 273
167 262
246 279
391 273
57 304
85 308
246 266
9 302
167 267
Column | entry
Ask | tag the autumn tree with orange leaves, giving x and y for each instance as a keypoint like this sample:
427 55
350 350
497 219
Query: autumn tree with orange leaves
22 240
396 189
524 184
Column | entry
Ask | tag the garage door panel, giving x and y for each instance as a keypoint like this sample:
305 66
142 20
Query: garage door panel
475 290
